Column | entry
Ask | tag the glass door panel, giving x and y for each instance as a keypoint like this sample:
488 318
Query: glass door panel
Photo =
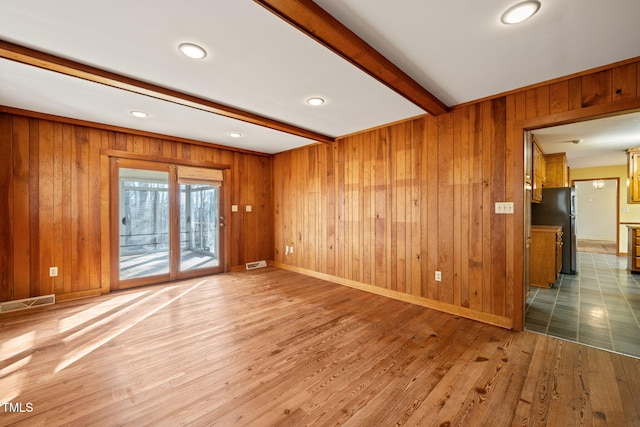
199 227
165 222
143 223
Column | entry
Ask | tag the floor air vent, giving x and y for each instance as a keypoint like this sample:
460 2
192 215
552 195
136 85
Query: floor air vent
257 264
22 304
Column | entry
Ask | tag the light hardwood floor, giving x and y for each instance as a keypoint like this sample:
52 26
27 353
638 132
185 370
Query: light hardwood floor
271 347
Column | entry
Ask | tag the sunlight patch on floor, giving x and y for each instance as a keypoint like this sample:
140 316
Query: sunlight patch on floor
98 341
17 345
92 312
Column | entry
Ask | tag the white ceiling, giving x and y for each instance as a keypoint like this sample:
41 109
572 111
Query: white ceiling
602 142
456 49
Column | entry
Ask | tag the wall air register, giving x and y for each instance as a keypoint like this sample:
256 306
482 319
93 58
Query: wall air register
23 304
257 264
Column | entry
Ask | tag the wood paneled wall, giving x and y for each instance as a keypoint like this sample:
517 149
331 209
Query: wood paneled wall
385 209
50 202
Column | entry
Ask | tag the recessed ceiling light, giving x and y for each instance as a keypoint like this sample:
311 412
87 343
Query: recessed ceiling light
192 50
234 134
520 12
140 114
315 101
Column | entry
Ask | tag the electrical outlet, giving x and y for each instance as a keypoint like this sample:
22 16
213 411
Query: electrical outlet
286 250
438 276
291 249
53 271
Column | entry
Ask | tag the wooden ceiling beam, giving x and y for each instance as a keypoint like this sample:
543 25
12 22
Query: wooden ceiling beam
318 24
67 67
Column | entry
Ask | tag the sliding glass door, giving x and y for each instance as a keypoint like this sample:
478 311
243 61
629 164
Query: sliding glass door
167 222
199 227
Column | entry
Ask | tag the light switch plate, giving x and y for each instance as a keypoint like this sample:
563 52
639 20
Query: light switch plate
248 208
504 207
234 208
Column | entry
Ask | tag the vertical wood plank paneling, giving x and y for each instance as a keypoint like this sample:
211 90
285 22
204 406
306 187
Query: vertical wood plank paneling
417 206
537 101
457 206
379 144
464 210
498 223
340 205
476 230
432 207
21 252
331 177
46 203
321 224
80 211
6 208
350 208
58 207
105 231
311 201
235 234
68 159
120 142
488 157
360 215
597 88
445 207
575 93
625 82
513 190
559 97
367 212
34 217
278 222
93 207
408 184
398 213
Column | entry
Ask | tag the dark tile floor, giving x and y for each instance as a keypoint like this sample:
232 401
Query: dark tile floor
599 306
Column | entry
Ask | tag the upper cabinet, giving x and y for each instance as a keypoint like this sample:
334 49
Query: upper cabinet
538 167
633 158
556 170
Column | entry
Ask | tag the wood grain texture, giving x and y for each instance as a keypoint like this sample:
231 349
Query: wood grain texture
272 347
54 185
438 178
6 208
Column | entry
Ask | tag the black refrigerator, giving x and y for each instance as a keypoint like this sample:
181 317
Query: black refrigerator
558 208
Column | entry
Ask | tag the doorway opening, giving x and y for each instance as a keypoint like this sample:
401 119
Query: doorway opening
597 207
598 305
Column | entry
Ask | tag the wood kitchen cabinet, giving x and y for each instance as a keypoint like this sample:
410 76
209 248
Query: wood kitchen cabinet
633 249
538 173
545 255
556 170
633 160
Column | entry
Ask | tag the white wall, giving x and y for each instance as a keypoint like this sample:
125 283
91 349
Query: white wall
596 210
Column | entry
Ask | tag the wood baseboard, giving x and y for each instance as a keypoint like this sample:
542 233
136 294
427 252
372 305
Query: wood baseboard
78 295
491 319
